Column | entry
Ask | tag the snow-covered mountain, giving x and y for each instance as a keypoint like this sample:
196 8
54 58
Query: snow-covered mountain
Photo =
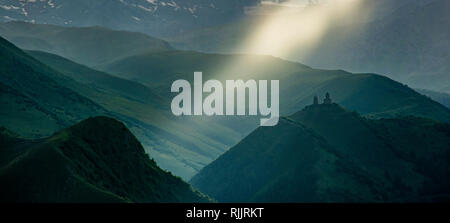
157 17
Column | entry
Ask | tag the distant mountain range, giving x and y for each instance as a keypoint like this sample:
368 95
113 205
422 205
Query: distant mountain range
404 40
370 94
90 46
325 153
156 17
96 160
411 45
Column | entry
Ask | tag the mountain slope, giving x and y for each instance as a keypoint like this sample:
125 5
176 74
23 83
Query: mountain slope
327 154
410 45
85 163
379 97
100 80
180 145
90 45
40 99
34 109
171 141
443 98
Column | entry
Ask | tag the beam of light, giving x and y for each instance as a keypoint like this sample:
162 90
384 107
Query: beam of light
281 31
285 30
290 28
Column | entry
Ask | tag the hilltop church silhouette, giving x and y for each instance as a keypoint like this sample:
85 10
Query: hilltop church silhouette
326 101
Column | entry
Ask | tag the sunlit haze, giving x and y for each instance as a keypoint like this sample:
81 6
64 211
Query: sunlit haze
295 25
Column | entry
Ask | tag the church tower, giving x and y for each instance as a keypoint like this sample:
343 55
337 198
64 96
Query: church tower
327 100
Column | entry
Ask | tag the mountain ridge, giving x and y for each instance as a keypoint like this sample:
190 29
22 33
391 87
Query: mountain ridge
368 93
91 161
19 72
168 139
145 111
85 45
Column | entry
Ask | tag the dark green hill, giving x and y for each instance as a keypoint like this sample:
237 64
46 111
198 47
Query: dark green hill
377 96
325 153
89 45
100 80
34 103
96 160
40 98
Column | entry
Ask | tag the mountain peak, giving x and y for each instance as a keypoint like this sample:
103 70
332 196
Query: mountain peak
105 135
325 153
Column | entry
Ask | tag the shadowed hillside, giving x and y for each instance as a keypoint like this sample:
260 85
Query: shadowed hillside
443 98
45 95
33 101
325 153
96 160
180 145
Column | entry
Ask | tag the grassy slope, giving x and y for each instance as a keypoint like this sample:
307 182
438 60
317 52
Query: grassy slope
443 98
41 99
172 141
327 154
96 160
37 109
